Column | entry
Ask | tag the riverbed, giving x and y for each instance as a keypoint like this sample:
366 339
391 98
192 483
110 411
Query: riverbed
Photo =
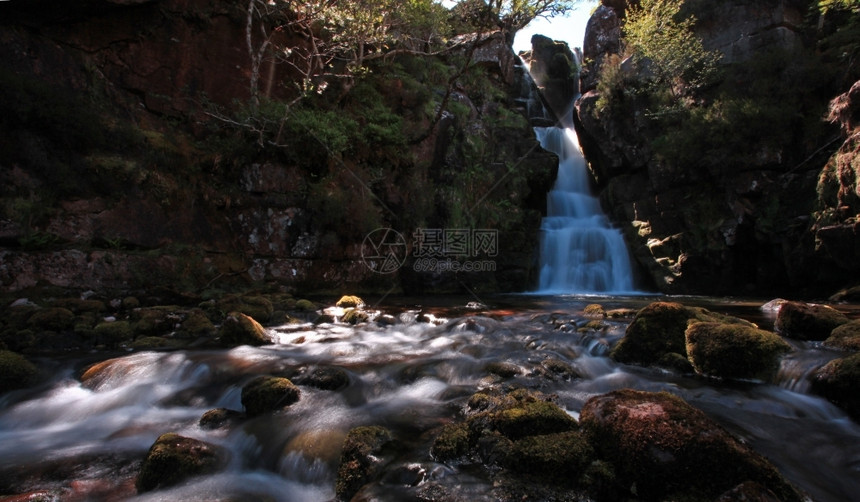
411 373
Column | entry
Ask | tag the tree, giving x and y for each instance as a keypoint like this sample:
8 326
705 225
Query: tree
666 43
509 16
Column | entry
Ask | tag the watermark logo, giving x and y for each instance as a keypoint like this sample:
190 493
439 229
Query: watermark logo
435 250
384 250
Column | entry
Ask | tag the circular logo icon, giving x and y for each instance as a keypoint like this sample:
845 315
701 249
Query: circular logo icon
383 250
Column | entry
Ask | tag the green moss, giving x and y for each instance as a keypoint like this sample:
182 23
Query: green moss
173 459
348 301
532 418
658 329
359 460
734 351
258 307
151 321
15 371
838 381
112 334
805 321
561 457
52 319
594 310
845 337
196 324
156 342
265 394
453 442
306 306
354 316
240 329
79 306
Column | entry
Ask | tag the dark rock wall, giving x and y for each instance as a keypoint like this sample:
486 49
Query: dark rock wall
108 182
743 226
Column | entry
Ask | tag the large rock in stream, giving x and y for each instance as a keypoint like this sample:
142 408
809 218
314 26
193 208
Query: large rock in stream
664 449
657 334
734 350
268 393
806 321
839 382
241 329
173 459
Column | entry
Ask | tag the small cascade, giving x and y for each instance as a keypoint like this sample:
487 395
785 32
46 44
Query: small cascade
580 251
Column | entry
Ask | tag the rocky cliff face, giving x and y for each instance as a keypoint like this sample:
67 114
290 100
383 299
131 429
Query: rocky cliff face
115 175
722 199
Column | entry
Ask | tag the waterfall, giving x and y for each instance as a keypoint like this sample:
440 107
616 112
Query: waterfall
580 251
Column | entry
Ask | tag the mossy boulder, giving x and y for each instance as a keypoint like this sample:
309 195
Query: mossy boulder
354 316
78 305
839 382
258 307
522 438
16 371
658 329
156 343
304 305
561 457
267 393
113 333
734 350
668 450
52 319
241 329
845 337
349 301
805 321
511 416
360 459
594 310
196 325
173 459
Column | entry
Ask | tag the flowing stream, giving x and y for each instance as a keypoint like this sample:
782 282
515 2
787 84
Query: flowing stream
580 251
86 440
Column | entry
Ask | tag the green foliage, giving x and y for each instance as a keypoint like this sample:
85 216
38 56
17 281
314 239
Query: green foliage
736 125
509 15
827 5
675 56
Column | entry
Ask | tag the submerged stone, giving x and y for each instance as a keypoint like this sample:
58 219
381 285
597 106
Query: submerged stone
734 350
219 417
325 378
173 459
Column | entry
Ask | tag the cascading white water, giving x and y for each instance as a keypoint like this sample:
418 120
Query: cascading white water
580 251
